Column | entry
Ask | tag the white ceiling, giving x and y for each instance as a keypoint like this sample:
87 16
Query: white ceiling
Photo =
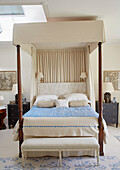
106 10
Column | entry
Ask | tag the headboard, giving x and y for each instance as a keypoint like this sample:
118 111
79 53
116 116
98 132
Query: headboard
61 88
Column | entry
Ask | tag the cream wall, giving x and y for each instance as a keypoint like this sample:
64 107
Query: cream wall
111 57
111 61
8 62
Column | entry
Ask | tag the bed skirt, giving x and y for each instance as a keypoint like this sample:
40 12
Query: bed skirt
64 154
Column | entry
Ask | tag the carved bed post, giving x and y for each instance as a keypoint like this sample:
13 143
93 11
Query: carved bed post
100 100
19 99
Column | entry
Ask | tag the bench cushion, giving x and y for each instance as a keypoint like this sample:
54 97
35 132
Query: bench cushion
60 143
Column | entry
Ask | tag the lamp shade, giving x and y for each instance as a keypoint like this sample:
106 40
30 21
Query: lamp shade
108 87
15 89
40 75
83 75
1 97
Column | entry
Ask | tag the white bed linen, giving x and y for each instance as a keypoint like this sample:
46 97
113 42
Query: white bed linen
60 127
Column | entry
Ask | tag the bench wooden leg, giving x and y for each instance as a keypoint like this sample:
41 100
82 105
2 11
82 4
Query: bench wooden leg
97 157
60 157
25 155
23 161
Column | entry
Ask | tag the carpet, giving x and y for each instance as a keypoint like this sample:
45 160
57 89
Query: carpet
71 163
118 138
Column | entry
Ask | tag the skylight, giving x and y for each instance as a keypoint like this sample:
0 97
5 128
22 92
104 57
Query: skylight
11 10
0 29
32 13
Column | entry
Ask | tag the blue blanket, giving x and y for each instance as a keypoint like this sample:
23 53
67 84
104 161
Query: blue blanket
61 112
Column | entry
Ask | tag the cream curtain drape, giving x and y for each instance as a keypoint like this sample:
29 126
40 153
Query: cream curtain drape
90 80
63 65
31 50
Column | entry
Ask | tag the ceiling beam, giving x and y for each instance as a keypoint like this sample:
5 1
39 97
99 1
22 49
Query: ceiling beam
56 19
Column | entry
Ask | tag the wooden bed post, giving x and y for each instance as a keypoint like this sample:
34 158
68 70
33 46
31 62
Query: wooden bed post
19 99
100 100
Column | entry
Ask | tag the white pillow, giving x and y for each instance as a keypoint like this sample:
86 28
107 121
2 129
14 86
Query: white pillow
80 103
46 104
61 103
76 97
45 98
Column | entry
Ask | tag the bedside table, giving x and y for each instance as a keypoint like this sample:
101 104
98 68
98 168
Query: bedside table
13 114
110 112
2 116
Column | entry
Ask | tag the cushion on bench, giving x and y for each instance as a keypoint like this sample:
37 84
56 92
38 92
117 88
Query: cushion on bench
61 143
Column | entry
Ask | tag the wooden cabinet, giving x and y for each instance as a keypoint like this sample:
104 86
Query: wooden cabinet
110 112
2 116
13 114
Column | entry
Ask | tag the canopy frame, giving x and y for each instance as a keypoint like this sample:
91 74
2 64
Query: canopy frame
20 100
17 41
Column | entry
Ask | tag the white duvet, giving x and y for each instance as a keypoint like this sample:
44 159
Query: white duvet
60 127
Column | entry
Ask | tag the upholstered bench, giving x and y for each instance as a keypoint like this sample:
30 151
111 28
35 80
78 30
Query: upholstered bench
60 144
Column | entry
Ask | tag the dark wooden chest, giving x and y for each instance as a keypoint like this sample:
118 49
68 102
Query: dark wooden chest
13 114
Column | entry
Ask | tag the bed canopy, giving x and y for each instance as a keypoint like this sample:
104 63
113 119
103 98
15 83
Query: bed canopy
56 35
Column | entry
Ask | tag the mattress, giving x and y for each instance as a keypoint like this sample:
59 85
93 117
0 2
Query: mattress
60 122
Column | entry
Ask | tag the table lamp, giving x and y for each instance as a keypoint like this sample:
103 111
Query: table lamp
107 89
40 77
1 99
83 76
15 92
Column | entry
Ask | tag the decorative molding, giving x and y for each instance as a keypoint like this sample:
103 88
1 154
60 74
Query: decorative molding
59 19
21 2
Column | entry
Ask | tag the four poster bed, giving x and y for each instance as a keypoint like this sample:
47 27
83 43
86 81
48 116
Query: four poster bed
61 122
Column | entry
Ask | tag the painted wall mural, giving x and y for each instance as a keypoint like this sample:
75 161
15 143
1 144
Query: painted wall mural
7 79
114 77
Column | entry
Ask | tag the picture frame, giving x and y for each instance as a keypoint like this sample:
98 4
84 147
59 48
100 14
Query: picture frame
7 79
112 76
114 100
